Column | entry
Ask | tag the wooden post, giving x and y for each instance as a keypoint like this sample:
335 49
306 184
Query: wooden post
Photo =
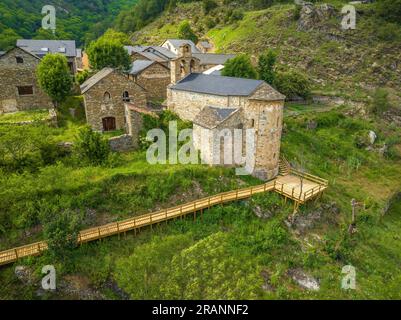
16 254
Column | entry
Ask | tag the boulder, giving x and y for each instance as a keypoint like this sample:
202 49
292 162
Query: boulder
372 137
304 280
312 16
24 274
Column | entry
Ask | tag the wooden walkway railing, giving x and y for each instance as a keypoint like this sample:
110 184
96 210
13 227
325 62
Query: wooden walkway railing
138 222
135 223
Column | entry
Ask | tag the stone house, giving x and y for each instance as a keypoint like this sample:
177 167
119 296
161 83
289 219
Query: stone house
18 82
215 103
154 77
65 47
105 95
174 45
204 46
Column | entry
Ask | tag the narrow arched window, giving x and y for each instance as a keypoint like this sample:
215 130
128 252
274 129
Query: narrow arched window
106 97
253 123
126 97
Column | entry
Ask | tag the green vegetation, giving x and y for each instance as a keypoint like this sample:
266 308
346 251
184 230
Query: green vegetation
292 84
54 77
24 116
240 67
83 21
92 147
109 51
266 64
185 32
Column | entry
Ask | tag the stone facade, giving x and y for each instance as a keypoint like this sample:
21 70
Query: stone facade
184 64
256 112
122 143
155 79
104 100
18 82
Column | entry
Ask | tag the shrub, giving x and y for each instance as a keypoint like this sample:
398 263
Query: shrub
266 66
60 227
293 84
209 5
81 77
92 147
240 67
389 10
380 102
388 32
185 32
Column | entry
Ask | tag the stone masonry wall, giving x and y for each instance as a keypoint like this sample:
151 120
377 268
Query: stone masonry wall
155 80
12 75
188 104
97 108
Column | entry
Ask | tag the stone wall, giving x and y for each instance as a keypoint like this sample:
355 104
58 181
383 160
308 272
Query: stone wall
97 107
122 143
155 80
188 104
13 75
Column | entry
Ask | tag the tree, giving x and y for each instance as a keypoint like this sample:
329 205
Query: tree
266 66
380 103
108 52
292 84
60 226
389 10
240 67
185 32
209 5
54 77
92 147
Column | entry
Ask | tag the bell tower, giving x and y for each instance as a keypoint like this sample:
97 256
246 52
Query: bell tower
184 64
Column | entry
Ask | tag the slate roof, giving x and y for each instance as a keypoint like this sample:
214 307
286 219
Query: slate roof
53 46
213 58
176 43
216 70
161 52
205 44
135 49
139 65
211 117
88 84
217 85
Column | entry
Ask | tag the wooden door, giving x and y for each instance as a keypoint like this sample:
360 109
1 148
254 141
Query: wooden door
109 124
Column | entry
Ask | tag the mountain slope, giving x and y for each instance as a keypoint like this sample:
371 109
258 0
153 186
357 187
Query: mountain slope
76 19
347 63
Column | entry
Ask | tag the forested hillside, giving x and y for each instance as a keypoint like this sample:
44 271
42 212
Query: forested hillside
76 19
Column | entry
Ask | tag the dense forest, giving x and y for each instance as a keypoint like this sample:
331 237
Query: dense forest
76 19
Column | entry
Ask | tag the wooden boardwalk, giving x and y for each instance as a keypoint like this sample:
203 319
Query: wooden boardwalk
296 186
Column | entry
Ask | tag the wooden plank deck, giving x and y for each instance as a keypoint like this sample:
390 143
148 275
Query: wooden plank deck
288 186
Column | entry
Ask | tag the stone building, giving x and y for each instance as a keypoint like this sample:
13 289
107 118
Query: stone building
105 95
65 47
214 103
204 46
154 77
19 88
174 45
184 64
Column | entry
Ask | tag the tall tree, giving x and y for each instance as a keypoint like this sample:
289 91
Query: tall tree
240 67
185 32
54 77
266 66
106 52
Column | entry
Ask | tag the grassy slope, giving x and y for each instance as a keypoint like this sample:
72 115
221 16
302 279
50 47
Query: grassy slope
339 62
231 252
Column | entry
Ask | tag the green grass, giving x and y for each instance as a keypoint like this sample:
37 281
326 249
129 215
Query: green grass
24 116
230 253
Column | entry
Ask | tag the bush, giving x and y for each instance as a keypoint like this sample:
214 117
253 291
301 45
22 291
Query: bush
60 227
266 66
81 77
389 10
380 102
92 147
209 5
185 32
240 67
293 85
388 32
